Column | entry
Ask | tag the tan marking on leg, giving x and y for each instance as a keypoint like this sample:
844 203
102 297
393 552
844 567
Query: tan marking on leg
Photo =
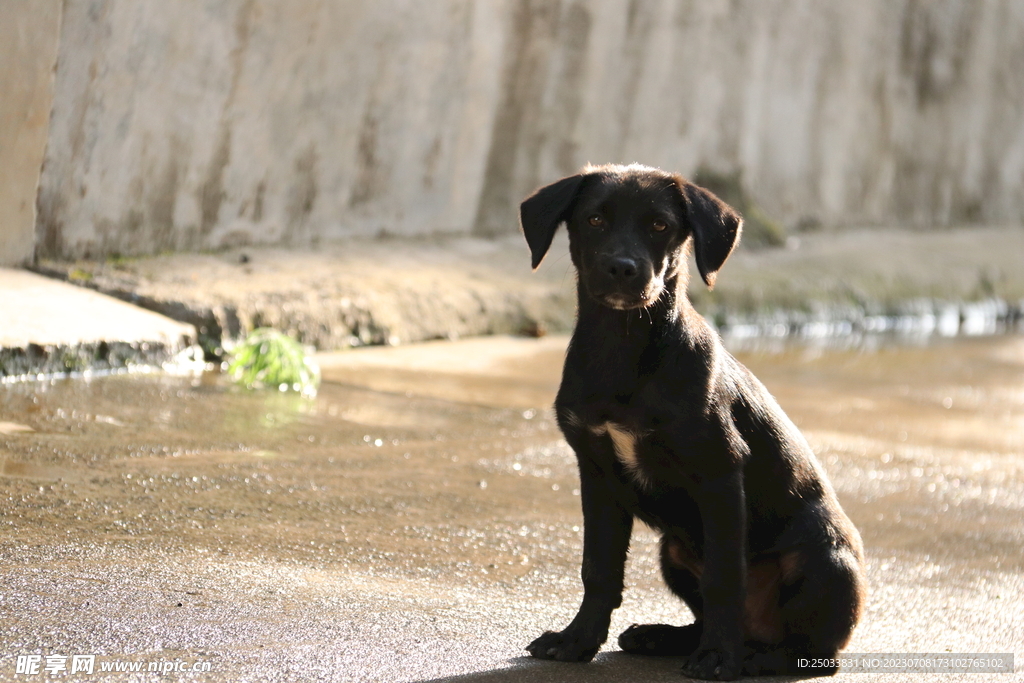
790 564
762 619
681 559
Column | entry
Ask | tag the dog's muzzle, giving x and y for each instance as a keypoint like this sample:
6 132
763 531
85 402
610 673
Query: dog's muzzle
624 283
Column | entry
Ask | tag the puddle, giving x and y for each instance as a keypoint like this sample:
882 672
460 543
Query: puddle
424 503
917 321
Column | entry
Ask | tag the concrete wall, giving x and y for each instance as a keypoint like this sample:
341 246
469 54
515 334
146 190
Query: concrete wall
28 52
196 125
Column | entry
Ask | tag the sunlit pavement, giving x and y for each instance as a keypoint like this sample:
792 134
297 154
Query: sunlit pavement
419 520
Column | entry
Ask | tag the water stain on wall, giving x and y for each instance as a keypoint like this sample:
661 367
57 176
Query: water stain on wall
211 192
531 40
163 196
252 208
303 192
368 171
568 95
935 41
430 161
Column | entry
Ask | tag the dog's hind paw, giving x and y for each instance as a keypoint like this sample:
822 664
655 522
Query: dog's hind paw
562 647
660 639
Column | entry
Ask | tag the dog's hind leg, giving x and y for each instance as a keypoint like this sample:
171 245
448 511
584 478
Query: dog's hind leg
663 639
820 602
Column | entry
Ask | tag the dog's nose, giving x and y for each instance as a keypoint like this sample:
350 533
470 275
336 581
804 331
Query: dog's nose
621 268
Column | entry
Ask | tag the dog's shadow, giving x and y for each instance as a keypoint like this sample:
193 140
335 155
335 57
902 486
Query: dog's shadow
607 667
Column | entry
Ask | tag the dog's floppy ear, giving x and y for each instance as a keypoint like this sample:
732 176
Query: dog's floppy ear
543 211
716 229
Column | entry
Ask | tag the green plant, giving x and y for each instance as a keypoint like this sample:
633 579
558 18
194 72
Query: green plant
271 359
79 275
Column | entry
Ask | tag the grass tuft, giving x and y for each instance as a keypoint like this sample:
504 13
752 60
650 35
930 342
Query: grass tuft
269 359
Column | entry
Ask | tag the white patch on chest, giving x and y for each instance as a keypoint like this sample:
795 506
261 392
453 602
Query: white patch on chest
624 442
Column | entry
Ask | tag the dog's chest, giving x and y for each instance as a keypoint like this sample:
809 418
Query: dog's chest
626 443
640 409
628 429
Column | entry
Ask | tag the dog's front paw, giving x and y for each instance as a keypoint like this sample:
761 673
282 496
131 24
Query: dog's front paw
564 647
713 664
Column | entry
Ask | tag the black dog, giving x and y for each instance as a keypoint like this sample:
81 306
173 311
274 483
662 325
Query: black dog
669 428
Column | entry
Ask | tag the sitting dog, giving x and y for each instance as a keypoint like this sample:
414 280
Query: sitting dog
670 429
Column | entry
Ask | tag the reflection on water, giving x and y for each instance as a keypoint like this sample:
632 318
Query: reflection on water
916 322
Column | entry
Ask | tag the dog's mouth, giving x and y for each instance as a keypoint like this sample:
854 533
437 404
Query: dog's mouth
623 302
627 301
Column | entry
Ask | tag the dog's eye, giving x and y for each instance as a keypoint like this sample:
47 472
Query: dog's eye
596 221
659 226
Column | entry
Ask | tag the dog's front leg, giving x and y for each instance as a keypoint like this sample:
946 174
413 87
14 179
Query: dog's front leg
607 526
723 581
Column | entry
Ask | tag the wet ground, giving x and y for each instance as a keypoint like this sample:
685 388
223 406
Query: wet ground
419 520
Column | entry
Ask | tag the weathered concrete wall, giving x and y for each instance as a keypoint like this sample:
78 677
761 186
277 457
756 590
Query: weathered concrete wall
28 52
194 125
876 111
190 125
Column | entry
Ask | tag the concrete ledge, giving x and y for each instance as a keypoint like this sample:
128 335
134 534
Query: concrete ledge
50 327
399 290
355 293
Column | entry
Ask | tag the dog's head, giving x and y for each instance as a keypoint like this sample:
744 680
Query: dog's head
629 227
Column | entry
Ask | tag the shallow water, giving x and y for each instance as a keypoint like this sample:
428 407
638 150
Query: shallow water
420 517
